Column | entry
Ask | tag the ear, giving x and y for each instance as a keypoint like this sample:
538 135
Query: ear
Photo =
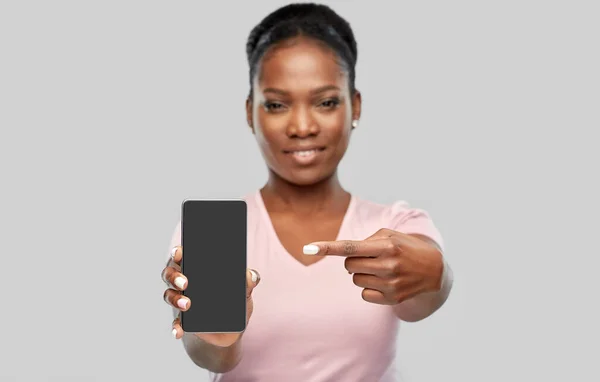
356 106
249 116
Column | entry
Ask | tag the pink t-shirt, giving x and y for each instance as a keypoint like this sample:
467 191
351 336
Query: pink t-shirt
310 323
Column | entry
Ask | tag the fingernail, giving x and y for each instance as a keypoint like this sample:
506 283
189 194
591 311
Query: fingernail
182 303
179 282
310 249
173 252
174 332
254 276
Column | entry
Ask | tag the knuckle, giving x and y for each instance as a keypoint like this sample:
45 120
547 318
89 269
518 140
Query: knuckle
394 285
385 232
392 268
396 267
169 274
389 246
166 295
396 240
350 247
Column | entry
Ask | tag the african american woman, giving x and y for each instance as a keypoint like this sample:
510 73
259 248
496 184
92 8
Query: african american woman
332 275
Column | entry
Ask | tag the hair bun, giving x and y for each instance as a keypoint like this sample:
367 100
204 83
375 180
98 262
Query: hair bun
315 21
306 14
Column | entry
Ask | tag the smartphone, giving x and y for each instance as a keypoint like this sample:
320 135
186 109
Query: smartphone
214 244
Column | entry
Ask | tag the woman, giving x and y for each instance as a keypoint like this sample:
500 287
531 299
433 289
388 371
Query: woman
337 273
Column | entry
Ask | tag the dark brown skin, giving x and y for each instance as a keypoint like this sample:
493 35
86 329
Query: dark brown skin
217 352
295 230
301 98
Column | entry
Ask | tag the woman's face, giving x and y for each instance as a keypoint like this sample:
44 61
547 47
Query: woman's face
301 111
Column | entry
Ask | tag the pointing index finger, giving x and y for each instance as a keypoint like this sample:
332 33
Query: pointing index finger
348 248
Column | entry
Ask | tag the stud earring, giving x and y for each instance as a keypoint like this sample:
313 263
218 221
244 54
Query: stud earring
355 123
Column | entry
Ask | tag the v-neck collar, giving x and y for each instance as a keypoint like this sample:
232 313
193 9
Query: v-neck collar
271 228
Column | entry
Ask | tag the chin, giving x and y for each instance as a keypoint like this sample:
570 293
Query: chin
307 178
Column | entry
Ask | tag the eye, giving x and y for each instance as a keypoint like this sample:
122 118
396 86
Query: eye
330 103
273 106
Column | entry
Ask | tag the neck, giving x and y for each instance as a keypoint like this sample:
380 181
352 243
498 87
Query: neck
327 195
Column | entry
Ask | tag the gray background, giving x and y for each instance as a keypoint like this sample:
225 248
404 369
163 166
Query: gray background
484 113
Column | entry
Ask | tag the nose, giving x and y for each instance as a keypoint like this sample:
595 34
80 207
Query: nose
302 124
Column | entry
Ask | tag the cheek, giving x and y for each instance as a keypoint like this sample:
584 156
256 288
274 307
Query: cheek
266 140
340 127
339 135
266 132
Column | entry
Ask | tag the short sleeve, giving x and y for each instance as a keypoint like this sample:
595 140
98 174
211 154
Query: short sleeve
403 218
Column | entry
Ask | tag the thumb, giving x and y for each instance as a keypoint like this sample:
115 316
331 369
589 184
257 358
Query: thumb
252 280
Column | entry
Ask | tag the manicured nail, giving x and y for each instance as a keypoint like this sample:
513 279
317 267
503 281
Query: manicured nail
174 332
173 252
310 249
254 276
182 303
179 282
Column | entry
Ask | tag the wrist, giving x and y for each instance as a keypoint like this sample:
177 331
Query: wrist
438 274
446 275
218 358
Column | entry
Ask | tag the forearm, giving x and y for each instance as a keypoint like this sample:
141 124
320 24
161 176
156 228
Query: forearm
425 304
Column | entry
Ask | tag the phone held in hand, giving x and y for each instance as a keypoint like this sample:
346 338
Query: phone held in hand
214 243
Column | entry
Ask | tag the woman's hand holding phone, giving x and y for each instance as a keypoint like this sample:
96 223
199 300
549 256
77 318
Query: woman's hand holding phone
177 283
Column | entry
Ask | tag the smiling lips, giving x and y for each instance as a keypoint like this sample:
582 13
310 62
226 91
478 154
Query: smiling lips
305 156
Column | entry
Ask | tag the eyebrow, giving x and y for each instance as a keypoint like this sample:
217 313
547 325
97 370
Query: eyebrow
315 91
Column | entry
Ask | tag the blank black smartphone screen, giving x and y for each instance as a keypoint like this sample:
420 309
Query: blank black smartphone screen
213 239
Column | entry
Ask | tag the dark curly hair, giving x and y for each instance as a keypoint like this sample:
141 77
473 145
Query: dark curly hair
311 20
